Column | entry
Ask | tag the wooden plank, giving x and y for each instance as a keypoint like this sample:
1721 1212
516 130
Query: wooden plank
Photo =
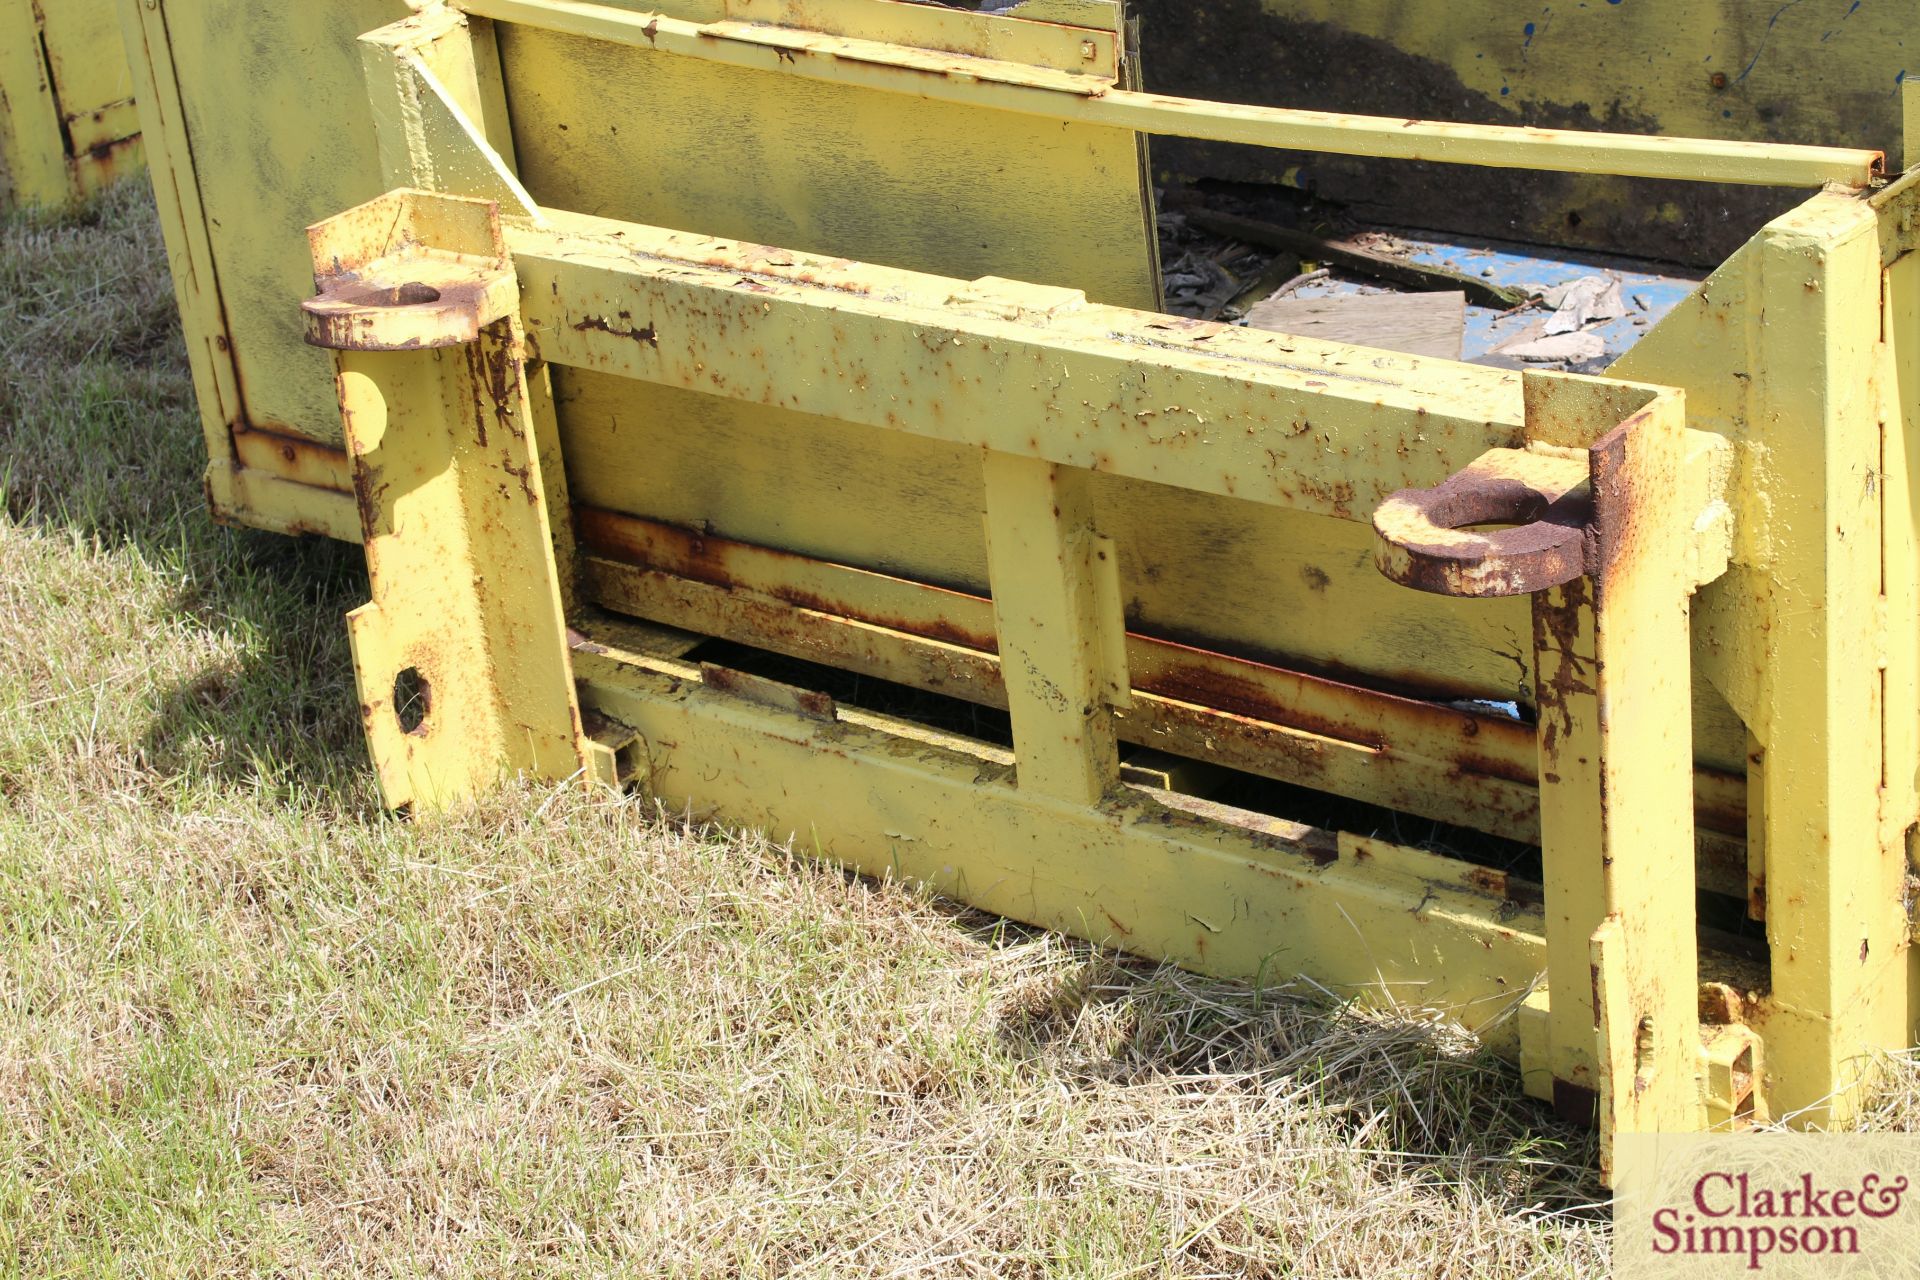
1421 324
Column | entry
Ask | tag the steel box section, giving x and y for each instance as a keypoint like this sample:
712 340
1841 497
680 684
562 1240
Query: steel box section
782 520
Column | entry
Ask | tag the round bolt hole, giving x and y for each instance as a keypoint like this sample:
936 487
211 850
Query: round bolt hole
411 294
412 700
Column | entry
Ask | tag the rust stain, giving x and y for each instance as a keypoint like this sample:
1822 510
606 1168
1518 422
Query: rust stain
722 562
1545 545
290 456
644 334
1721 1005
369 492
760 689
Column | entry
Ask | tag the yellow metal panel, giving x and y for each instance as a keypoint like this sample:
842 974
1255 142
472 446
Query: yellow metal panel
277 130
752 154
67 121
33 167
90 77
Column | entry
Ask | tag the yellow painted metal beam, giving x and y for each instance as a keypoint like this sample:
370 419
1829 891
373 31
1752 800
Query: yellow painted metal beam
1062 637
1263 417
425 91
1016 86
1616 816
1231 893
1836 921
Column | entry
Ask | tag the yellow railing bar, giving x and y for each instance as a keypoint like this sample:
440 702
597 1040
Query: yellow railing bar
1059 95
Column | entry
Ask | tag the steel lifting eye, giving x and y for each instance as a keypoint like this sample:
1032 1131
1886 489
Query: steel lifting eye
1428 538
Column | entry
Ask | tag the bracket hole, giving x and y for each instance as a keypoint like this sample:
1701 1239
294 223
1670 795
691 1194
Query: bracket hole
412 701
410 294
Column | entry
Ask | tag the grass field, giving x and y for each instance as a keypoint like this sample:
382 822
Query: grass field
251 1025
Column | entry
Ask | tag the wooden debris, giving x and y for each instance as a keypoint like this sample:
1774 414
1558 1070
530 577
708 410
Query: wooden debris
1349 257
1273 279
1558 348
1421 324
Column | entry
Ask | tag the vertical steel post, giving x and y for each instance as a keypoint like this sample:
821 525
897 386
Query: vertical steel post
1056 604
1616 802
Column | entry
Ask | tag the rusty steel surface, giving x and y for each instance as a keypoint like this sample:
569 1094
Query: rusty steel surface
1428 543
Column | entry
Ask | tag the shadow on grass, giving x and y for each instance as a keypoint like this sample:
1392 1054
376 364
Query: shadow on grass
100 439
1414 1090
286 715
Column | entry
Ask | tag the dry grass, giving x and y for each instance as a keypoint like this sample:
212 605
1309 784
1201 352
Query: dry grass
249 1025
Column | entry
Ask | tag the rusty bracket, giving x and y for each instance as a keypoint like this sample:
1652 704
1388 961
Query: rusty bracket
410 297
1430 539
462 657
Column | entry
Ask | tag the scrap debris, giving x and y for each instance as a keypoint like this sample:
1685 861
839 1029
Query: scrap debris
1211 277
1578 303
1355 258
1519 306
1558 348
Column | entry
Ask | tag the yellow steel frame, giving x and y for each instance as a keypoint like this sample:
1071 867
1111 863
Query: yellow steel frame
668 307
1736 500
